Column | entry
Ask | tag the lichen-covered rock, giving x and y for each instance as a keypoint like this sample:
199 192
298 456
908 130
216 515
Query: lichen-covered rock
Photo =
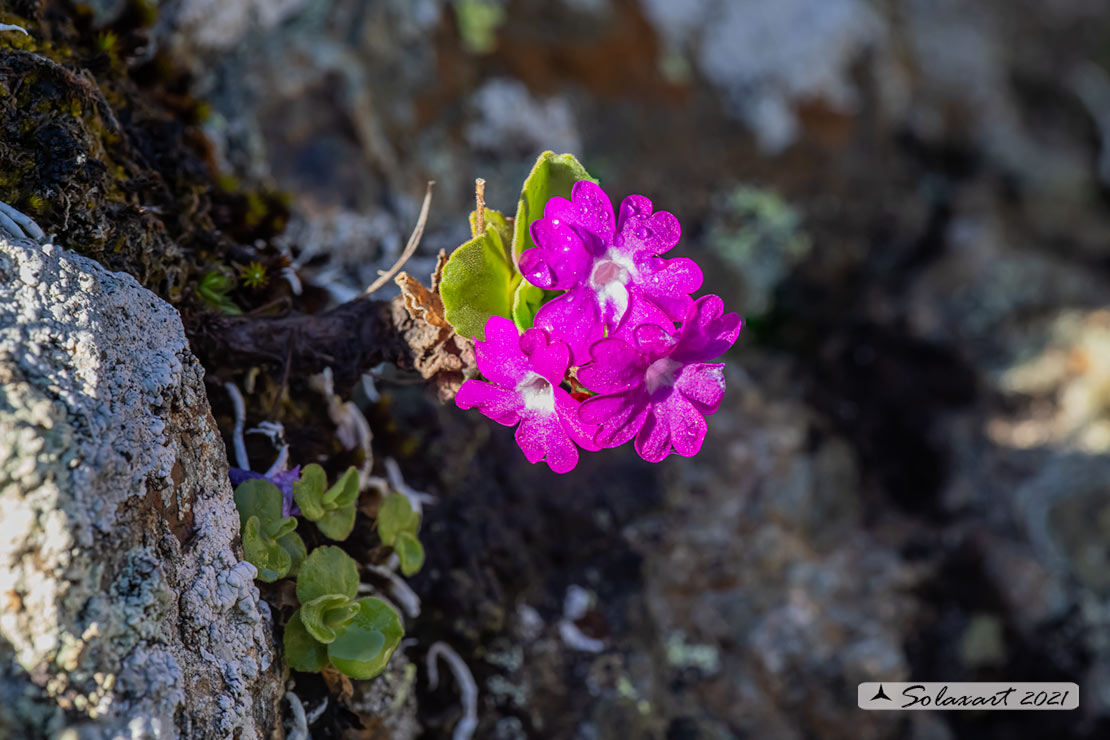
126 611
390 699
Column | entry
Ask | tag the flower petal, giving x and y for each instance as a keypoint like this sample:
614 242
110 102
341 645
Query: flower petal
654 341
642 232
499 357
535 268
573 318
581 433
641 311
613 300
591 211
669 283
707 332
500 404
620 416
686 424
703 385
653 441
549 358
560 259
633 209
542 437
616 366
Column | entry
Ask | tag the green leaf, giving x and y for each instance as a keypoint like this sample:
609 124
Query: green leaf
410 551
478 21
302 651
294 545
502 225
327 570
478 282
325 616
395 515
526 302
367 643
213 289
308 492
344 492
271 560
338 524
258 497
278 529
552 175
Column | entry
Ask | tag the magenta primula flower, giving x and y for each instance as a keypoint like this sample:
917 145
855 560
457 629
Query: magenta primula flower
658 386
612 273
525 371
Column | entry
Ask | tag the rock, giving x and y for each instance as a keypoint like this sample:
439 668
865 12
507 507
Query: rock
204 26
511 119
390 699
126 608
765 60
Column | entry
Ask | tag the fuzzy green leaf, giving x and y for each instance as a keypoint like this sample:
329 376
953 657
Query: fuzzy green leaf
478 282
302 651
258 497
338 524
344 492
278 529
395 515
502 225
327 570
270 558
527 300
552 175
294 545
325 616
308 492
367 643
410 552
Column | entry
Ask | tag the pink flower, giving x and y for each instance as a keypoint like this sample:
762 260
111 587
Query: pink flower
525 371
611 271
658 387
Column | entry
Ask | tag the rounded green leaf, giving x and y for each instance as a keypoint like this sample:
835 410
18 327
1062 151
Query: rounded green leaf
324 616
367 643
271 560
527 299
258 497
344 492
294 545
552 175
498 222
308 492
478 282
410 552
327 570
302 651
338 524
275 530
396 515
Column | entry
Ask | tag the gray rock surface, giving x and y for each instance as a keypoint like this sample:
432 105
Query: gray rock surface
126 610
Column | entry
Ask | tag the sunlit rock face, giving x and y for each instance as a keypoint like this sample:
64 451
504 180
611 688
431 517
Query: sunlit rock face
126 609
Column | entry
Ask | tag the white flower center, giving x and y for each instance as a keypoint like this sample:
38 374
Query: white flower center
537 393
661 374
609 279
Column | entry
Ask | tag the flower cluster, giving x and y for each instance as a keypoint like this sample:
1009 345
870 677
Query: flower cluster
622 353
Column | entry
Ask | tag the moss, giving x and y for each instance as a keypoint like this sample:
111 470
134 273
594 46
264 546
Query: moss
104 151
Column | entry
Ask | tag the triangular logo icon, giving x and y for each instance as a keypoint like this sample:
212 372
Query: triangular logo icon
881 694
